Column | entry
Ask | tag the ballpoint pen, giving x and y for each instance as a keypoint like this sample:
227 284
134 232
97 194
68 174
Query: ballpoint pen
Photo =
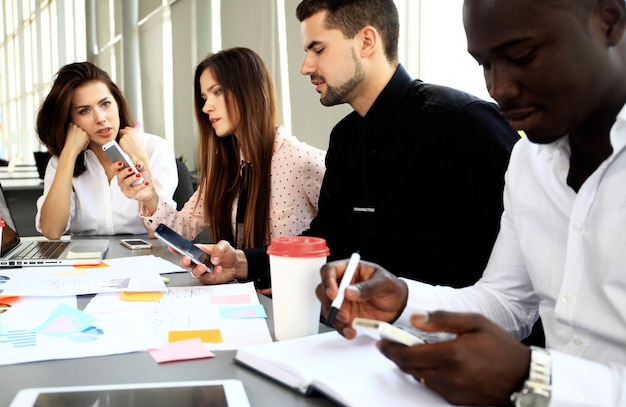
345 282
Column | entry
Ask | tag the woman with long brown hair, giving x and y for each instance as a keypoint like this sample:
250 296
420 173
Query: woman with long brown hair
256 180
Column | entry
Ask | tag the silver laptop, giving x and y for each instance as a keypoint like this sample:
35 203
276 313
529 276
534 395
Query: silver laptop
16 252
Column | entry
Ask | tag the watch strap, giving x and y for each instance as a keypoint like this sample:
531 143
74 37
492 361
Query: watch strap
539 382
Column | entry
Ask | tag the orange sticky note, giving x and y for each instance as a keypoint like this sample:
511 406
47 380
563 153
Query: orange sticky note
150 296
205 335
91 266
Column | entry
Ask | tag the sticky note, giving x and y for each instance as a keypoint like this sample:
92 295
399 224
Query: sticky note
205 335
181 350
150 296
82 255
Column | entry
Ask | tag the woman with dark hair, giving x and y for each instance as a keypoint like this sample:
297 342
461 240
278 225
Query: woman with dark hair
256 180
83 111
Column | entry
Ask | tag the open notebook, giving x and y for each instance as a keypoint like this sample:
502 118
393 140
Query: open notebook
349 372
15 252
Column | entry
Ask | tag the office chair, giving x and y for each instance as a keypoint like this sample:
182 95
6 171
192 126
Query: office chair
185 187
41 161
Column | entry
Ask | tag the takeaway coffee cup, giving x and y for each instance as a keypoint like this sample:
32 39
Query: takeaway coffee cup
295 264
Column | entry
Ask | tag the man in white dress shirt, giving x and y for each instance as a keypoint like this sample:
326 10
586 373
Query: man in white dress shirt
557 68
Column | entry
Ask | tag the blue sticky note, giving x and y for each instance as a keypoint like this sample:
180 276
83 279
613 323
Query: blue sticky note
243 311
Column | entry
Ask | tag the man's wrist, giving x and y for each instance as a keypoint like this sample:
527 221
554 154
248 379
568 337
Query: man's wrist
537 389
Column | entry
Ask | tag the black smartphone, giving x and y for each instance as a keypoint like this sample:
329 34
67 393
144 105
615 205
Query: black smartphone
183 246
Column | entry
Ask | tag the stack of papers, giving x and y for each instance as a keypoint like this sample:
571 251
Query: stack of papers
132 311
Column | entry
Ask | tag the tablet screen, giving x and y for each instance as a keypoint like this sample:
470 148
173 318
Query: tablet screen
221 393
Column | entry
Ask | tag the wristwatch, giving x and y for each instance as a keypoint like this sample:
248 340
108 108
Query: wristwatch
537 388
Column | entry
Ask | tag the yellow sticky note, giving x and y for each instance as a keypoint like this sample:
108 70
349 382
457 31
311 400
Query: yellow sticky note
205 335
82 255
142 296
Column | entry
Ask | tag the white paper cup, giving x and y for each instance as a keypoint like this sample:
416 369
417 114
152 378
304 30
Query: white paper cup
295 264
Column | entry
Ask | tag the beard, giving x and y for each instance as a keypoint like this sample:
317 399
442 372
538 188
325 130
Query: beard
336 95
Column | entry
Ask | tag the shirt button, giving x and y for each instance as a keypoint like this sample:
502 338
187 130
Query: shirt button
578 342
578 227
566 298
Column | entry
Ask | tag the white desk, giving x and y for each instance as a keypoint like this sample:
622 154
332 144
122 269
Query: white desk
141 367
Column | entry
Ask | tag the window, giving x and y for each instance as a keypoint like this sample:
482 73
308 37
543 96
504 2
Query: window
36 36
150 48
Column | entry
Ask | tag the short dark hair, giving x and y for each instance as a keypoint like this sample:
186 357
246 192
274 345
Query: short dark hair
349 16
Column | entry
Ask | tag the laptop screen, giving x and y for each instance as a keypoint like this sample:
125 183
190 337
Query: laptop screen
10 238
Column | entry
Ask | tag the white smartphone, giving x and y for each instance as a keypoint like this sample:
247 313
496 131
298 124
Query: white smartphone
135 244
407 336
115 153
384 330
183 246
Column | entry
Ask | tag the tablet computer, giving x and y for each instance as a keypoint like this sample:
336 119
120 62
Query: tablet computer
216 393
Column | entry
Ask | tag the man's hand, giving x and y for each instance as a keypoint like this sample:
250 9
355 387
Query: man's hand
482 366
376 294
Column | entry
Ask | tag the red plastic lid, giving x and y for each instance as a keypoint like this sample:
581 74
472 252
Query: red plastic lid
298 246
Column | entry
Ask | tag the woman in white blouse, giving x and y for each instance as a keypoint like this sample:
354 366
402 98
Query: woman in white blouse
84 110
257 181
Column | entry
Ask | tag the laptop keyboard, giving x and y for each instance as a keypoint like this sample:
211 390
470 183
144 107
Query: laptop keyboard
41 250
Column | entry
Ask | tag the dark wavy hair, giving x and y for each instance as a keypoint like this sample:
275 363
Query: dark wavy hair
54 115
250 96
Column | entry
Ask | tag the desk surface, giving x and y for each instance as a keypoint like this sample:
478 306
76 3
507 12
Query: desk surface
141 367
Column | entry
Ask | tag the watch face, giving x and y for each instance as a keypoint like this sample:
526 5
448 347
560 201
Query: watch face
531 399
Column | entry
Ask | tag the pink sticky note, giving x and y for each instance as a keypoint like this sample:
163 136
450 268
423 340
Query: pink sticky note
181 350
230 299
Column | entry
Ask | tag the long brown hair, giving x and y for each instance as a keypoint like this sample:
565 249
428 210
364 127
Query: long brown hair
54 115
250 95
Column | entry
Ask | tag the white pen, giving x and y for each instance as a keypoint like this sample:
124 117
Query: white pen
345 282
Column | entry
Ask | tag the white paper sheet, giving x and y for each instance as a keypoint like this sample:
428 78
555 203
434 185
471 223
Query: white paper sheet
28 333
231 308
139 274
